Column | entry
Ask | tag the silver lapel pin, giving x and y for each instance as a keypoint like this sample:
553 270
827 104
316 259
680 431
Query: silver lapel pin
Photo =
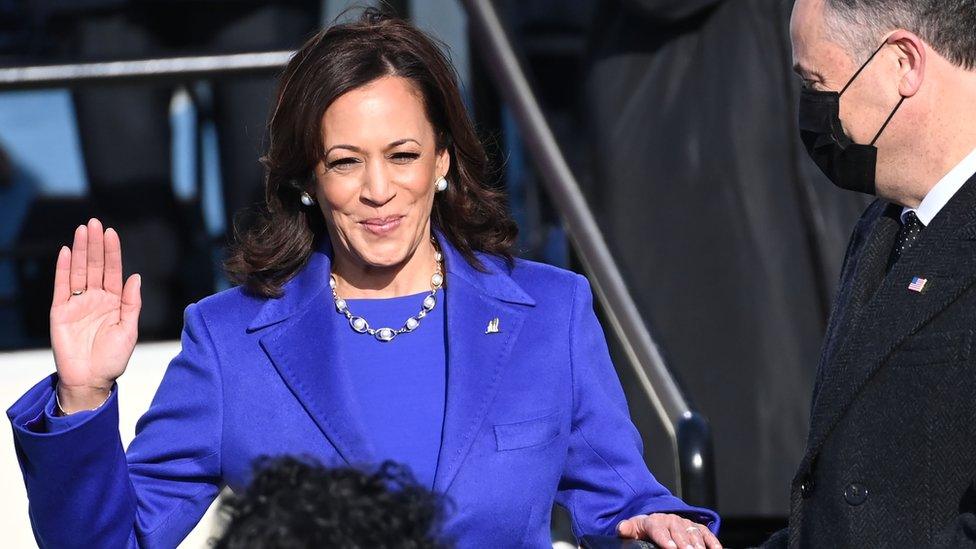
492 326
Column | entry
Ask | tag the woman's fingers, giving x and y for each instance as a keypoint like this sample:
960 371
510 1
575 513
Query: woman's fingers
711 542
695 536
113 262
131 301
688 534
661 537
78 280
649 528
96 254
680 535
62 272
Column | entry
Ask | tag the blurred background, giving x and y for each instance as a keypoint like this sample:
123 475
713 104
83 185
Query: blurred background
675 118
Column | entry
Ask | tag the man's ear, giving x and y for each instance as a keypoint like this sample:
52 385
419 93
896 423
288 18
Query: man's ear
911 61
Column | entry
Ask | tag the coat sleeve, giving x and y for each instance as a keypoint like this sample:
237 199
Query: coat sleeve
605 479
86 491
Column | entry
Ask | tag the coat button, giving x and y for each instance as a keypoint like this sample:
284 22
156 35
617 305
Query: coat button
856 494
806 487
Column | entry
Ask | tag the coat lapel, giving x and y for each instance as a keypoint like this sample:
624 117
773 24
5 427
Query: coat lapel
302 343
476 360
866 272
945 257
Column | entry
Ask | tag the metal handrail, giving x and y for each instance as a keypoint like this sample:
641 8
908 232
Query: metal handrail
688 430
177 68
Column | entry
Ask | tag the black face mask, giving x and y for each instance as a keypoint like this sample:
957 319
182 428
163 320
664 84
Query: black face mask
848 165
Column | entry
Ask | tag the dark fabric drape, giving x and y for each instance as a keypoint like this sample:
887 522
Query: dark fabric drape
729 237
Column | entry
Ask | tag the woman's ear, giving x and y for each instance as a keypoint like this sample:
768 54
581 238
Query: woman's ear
309 182
443 163
911 61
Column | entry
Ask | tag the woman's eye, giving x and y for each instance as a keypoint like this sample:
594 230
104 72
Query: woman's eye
404 157
342 163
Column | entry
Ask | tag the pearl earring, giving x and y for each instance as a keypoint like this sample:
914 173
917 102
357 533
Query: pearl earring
440 185
307 199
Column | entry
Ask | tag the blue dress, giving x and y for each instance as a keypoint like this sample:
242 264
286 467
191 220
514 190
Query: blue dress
400 385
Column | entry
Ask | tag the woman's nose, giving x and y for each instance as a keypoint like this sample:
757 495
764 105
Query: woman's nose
378 189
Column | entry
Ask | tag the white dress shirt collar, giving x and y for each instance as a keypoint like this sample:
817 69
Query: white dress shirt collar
944 190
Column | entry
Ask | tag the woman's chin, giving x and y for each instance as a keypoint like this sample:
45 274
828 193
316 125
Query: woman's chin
382 256
389 250
383 263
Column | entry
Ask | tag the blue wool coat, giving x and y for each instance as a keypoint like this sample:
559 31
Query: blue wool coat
534 415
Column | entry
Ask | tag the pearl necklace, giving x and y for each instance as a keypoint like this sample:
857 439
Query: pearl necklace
385 334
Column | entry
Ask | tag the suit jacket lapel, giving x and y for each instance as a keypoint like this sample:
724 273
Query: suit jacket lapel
944 256
866 272
476 360
303 346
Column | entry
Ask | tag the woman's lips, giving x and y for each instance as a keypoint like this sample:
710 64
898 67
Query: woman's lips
382 225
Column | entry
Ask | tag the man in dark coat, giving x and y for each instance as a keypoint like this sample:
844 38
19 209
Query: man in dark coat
889 108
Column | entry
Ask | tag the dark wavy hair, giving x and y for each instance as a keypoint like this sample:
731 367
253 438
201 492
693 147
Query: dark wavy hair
297 503
341 58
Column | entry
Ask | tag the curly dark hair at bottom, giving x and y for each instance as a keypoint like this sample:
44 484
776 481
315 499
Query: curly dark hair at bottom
297 503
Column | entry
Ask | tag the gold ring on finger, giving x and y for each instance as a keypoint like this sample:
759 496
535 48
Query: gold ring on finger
77 292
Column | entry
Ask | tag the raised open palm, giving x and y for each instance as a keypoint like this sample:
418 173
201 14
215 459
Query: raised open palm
94 317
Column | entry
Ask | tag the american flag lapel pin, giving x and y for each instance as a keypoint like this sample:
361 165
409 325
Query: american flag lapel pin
492 326
917 284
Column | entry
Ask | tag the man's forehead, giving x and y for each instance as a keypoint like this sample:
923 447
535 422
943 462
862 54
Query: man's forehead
805 28
807 14
811 48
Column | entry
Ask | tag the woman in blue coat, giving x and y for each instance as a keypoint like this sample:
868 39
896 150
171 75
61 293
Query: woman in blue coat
380 315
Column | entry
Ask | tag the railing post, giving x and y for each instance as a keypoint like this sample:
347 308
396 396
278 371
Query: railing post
696 460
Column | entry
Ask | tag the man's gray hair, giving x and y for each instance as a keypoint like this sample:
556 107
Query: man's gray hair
949 26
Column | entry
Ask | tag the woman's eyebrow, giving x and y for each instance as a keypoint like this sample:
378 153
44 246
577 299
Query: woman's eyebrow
399 142
354 148
344 146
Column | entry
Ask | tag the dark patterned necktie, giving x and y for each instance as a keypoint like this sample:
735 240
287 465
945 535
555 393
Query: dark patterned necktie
910 232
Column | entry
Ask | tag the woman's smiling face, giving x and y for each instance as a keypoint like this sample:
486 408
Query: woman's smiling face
375 186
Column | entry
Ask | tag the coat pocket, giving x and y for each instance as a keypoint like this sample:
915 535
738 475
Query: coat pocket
524 434
934 348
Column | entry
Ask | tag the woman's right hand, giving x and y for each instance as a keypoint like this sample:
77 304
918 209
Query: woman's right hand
92 333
